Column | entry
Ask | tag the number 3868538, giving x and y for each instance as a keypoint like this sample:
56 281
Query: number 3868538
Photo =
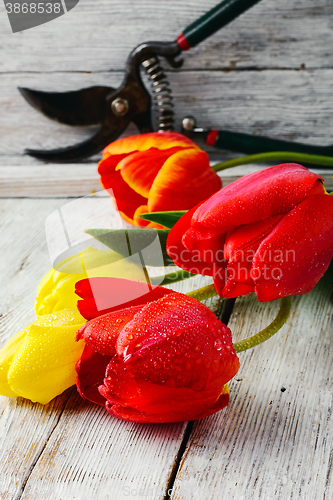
33 8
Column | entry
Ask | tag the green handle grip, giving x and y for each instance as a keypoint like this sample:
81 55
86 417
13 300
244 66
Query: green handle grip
251 144
212 21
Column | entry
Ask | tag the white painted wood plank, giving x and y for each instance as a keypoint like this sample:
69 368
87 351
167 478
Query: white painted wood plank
99 34
290 105
78 450
86 453
275 438
49 180
92 455
24 427
58 181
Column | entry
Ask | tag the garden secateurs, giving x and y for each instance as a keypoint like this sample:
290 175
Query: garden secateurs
113 109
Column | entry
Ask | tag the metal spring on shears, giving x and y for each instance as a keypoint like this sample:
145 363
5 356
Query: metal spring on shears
162 96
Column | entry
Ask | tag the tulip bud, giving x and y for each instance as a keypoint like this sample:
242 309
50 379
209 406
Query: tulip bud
156 172
166 361
56 290
38 362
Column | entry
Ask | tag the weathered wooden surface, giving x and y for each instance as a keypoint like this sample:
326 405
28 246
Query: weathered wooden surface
275 439
98 35
270 73
266 444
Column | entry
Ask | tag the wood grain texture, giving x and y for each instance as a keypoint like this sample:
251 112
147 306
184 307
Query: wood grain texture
68 449
59 181
275 438
90 454
290 105
269 73
98 35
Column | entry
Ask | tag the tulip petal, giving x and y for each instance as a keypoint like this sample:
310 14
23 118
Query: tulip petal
296 254
142 142
56 291
103 295
184 180
141 167
102 332
126 198
119 385
7 355
199 357
176 348
43 365
181 256
133 415
150 324
90 371
124 391
252 198
240 248
143 209
220 275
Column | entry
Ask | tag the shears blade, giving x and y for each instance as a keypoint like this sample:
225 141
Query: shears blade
107 133
79 107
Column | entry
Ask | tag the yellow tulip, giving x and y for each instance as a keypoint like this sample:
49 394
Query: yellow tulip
56 290
38 363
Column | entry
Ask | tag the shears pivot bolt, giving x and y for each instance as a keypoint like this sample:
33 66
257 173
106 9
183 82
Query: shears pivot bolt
189 123
120 106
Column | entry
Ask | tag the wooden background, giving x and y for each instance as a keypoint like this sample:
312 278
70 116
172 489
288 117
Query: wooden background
270 72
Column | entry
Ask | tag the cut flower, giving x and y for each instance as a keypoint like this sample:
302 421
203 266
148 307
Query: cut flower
38 363
270 232
156 172
56 291
168 360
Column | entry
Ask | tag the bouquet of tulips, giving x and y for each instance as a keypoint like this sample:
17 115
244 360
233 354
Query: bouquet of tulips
144 351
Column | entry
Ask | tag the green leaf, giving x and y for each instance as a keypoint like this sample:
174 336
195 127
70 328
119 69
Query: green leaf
166 219
132 241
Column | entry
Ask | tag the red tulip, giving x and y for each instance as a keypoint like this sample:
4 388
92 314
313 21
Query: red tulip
168 360
156 172
270 232
102 295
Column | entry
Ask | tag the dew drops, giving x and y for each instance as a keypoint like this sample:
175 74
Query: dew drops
218 344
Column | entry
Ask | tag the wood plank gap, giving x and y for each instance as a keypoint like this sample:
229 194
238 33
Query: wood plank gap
33 464
223 313
167 69
242 69
178 459
227 310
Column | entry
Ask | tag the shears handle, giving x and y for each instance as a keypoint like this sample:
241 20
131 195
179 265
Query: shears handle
251 144
216 18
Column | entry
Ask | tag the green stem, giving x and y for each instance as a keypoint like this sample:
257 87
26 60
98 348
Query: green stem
203 293
168 279
275 156
243 345
269 331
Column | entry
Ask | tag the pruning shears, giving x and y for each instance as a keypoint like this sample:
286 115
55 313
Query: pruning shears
113 109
